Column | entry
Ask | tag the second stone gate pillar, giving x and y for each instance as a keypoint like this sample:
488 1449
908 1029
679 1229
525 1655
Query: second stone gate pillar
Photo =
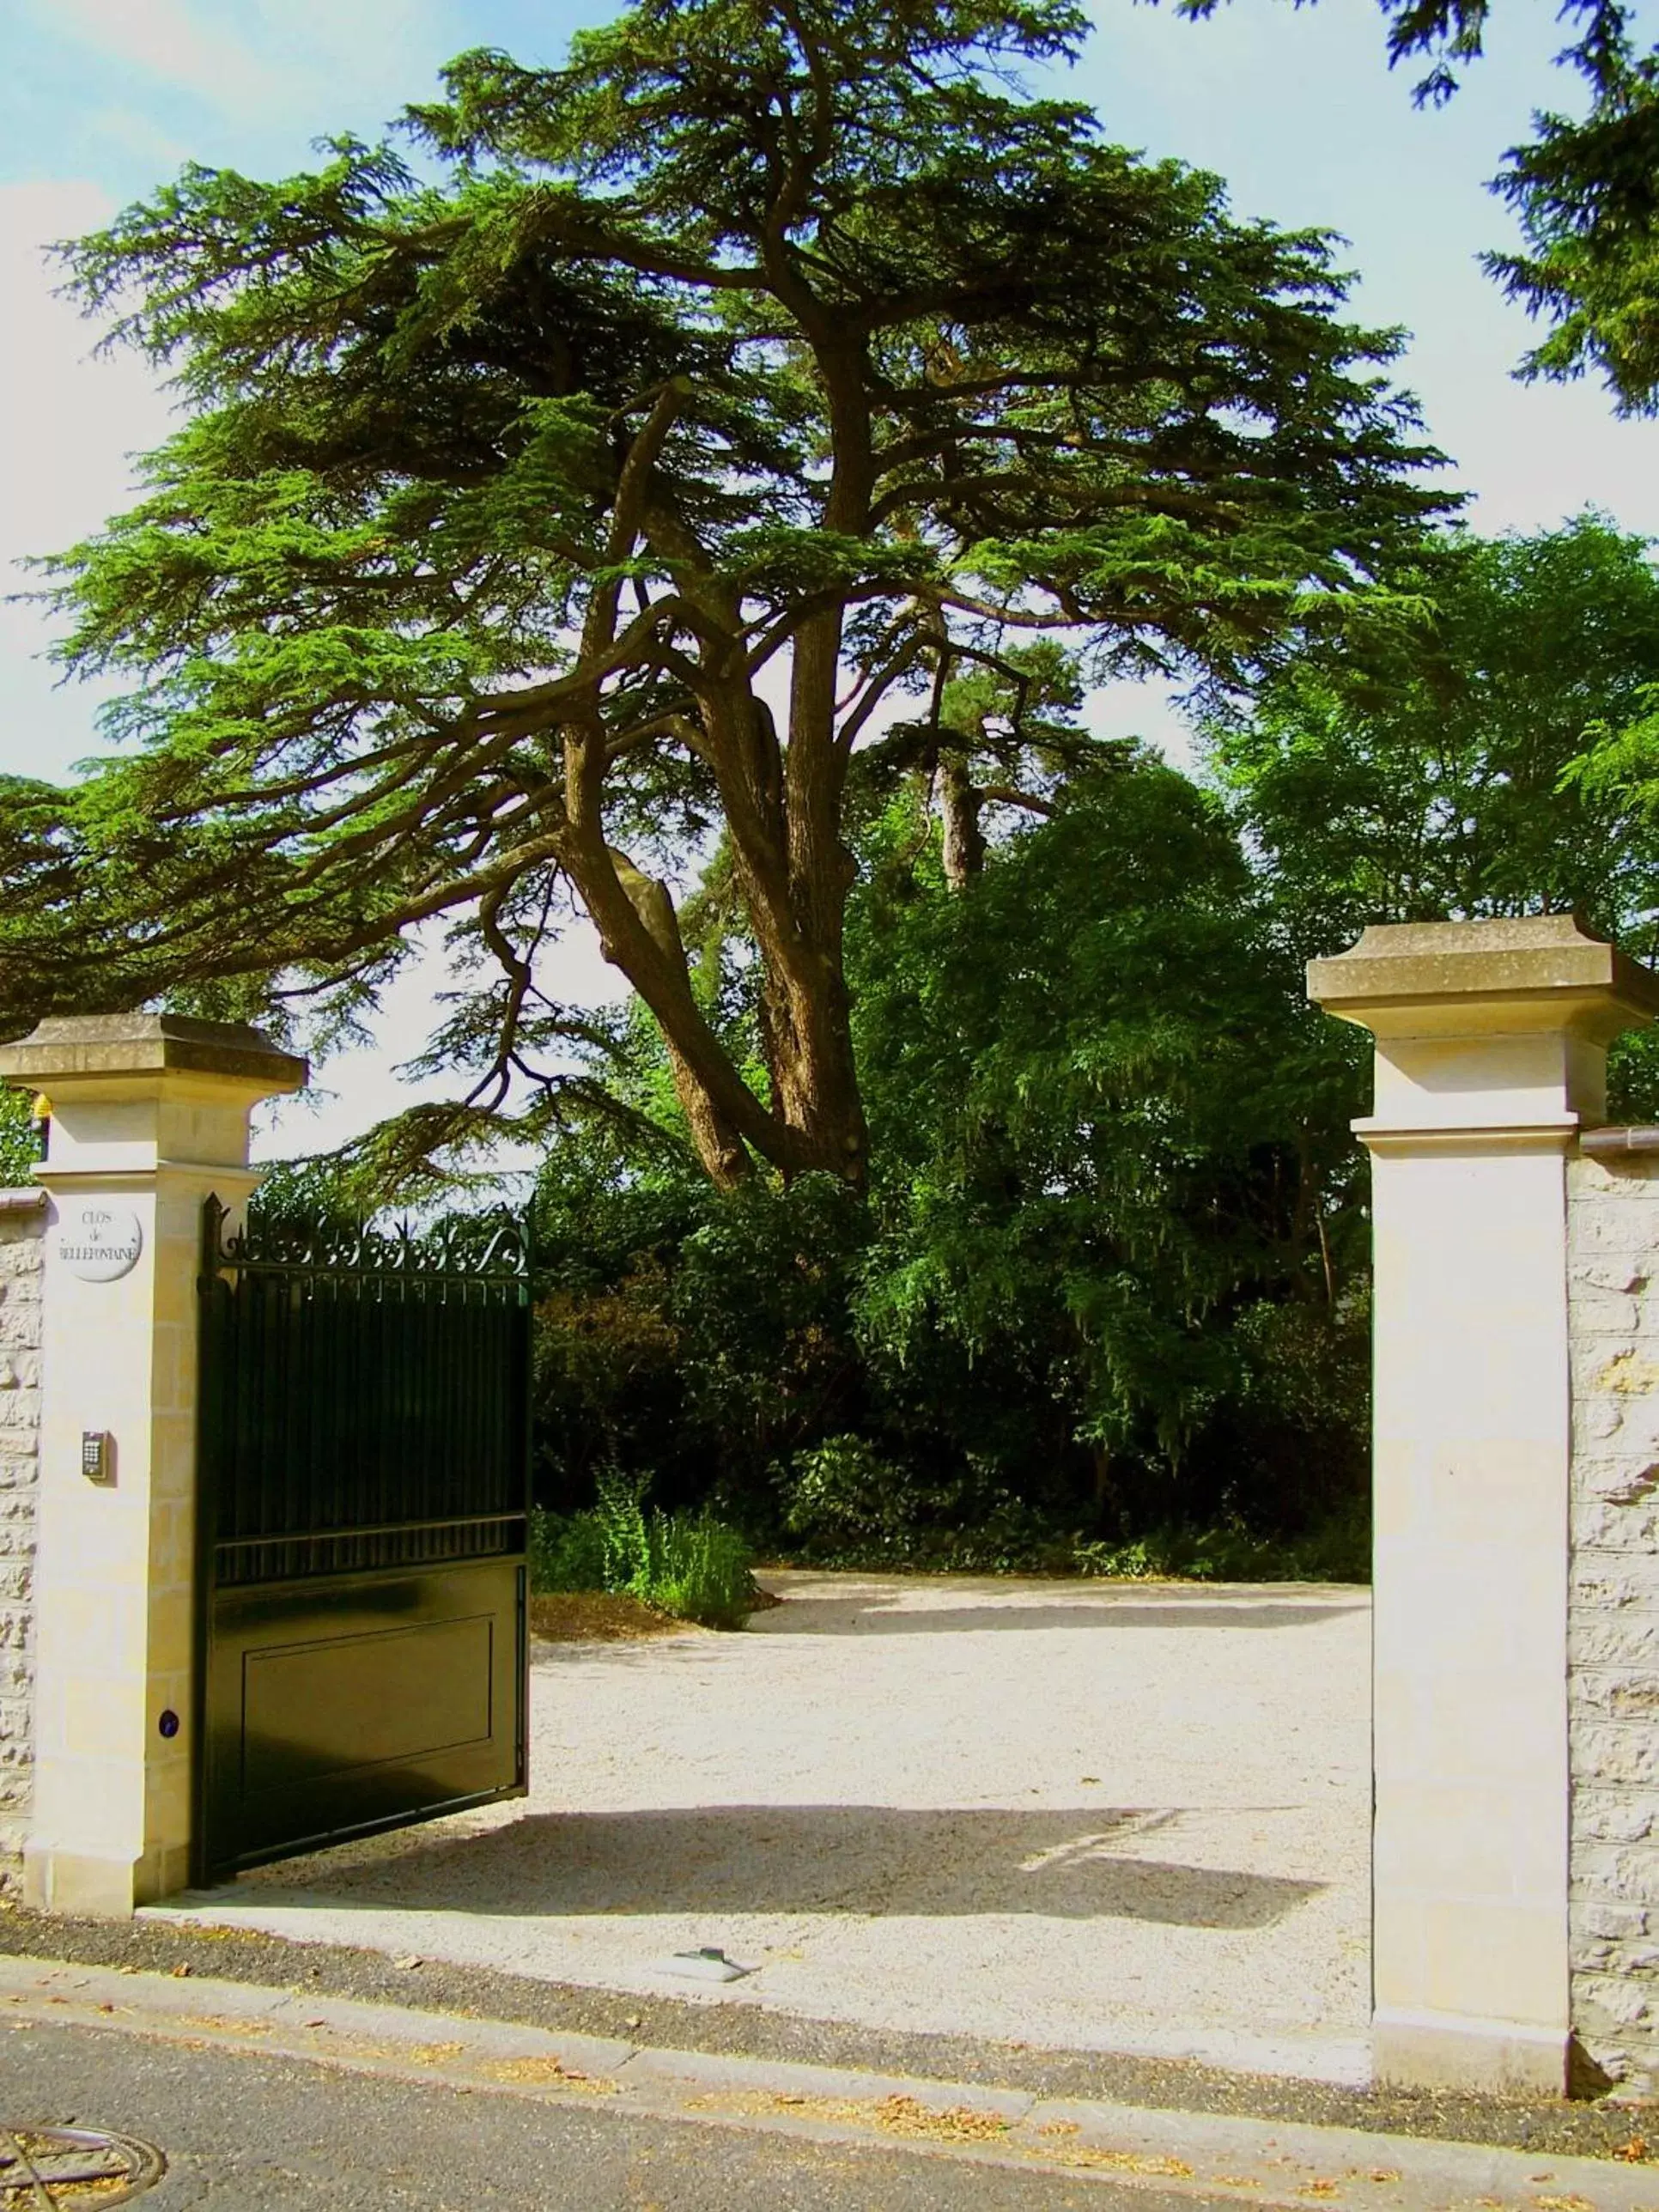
1490 1053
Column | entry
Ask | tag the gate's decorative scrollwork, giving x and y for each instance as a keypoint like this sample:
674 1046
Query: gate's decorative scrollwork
479 1247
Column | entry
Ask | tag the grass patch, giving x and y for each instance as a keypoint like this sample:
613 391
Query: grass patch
690 1566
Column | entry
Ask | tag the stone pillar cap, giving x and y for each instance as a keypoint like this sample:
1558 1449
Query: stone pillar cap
1444 978
88 1048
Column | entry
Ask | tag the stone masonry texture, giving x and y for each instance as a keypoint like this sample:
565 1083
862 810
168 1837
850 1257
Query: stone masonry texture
1613 1626
20 1256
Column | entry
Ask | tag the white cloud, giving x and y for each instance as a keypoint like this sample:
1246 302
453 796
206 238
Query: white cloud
71 421
366 45
132 132
68 425
166 38
265 63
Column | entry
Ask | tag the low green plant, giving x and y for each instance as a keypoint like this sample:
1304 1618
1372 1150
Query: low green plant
692 1566
697 1568
625 1534
1337 1552
567 1552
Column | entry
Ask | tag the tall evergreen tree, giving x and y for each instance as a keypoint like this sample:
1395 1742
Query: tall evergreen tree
606 472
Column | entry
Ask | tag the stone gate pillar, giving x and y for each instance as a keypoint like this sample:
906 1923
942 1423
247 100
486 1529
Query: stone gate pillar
1491 1052
149 1114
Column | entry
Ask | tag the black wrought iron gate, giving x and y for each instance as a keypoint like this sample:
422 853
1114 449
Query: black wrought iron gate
364 1496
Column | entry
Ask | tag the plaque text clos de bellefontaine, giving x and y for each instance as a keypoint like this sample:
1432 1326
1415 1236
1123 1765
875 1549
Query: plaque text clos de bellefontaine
99 1243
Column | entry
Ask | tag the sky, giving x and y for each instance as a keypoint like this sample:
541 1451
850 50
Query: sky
101 100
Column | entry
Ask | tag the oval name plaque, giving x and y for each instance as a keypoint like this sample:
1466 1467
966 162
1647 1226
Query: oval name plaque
99 1243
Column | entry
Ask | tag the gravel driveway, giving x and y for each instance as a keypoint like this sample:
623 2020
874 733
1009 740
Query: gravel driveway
1072 1814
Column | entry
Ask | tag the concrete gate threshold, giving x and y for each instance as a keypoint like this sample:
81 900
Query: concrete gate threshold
1066 1814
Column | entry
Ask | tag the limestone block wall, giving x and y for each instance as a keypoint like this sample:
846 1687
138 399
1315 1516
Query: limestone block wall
22 1225
1613 1244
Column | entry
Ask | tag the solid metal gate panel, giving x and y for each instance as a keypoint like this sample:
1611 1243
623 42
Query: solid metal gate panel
364 1500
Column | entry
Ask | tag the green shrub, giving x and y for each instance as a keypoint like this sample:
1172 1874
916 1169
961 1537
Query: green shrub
690 1566
844 1493
567 1552
1337 1552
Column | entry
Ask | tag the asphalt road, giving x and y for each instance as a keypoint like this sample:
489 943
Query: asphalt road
245 2133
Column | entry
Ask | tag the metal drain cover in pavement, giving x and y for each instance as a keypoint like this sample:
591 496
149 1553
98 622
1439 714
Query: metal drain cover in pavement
47 2167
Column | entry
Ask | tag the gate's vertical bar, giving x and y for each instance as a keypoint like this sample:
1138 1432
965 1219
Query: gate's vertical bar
210 1461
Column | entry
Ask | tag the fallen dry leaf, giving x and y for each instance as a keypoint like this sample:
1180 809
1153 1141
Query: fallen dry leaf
894 2115
1093 2158
906 2116
599 1617
219 2023
549 2070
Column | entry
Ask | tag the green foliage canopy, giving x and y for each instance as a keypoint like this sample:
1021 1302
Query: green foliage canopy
769 347
1110 1126
1444 774
1111 1270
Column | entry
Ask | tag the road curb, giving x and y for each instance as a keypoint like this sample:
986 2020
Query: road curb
1209 2156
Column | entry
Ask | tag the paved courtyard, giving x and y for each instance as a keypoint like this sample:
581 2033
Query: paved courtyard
1067 1814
